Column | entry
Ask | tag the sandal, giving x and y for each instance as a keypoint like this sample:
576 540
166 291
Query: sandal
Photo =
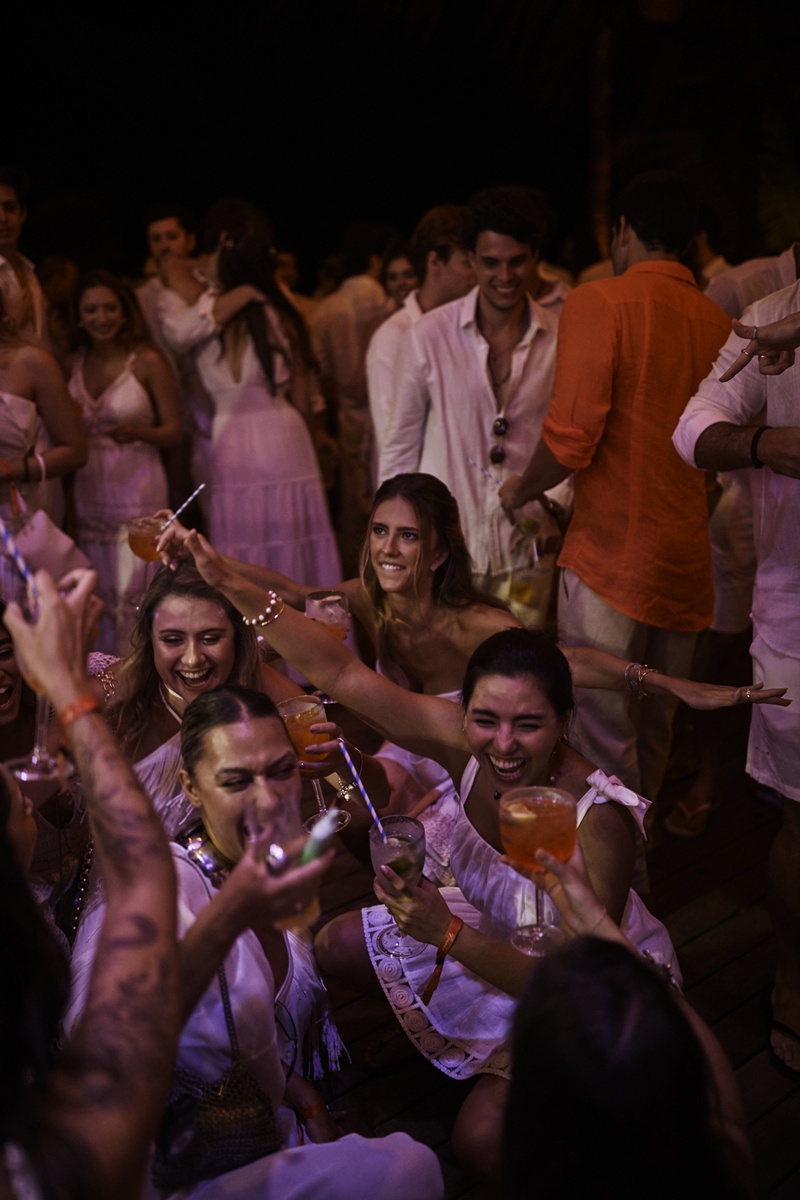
689 821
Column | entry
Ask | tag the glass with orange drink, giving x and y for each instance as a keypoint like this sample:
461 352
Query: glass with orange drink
299 714
534 819
143 534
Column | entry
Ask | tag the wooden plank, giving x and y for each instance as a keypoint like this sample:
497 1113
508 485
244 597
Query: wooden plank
724 943
762 1087
776 1143
743 1032
746 976
717 905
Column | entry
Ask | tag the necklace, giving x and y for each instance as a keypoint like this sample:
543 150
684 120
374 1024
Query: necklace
201 850
165 693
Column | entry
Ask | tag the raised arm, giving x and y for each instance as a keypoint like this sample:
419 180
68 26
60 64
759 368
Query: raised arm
422 724
109 1093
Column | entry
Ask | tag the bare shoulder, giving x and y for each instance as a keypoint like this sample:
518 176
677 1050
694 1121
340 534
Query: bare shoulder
574 773
480 621
148 360
39 363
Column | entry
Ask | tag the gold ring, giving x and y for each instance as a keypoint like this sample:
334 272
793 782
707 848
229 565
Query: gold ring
747 693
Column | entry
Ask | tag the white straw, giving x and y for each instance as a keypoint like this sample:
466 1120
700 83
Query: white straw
23 568
362 789
185 504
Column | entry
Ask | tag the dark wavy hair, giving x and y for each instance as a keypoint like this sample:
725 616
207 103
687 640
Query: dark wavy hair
131 334
440 532
249 260
226 705
610 1091
137 683
514 652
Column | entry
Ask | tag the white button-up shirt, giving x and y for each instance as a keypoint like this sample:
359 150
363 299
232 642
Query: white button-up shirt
381 358
444 407
754 399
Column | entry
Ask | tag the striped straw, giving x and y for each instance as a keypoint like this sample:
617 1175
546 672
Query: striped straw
362 789
13 552
492 478
185 504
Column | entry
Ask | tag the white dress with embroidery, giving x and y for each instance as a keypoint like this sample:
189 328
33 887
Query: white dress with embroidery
464 1030
118 482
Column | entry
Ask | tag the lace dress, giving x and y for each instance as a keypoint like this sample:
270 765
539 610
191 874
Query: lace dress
464 1029
118 482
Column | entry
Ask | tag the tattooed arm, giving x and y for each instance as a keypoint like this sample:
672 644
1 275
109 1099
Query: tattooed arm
109 1091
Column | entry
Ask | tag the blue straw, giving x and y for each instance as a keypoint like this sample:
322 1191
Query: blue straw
492 478
362 789
13 551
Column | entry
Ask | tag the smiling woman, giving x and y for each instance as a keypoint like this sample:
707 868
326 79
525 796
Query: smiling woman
188 638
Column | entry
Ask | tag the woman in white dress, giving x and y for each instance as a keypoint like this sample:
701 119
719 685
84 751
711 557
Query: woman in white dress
267 504
33 398
237 755
511 732
127 398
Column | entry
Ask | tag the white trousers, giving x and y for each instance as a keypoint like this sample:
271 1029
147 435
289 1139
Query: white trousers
624 736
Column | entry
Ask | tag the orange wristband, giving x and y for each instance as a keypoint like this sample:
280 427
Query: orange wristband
78 708
444 948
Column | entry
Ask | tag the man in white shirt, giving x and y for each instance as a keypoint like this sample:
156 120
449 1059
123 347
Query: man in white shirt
22 294
437 253
739 286
340 332
474 379
752 422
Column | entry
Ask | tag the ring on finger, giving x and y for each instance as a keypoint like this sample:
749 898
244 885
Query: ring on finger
747 694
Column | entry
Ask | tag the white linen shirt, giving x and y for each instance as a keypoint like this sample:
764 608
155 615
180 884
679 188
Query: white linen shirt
444 407
381 358
754 399
739 286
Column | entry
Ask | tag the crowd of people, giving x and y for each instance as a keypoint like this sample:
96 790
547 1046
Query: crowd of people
551 506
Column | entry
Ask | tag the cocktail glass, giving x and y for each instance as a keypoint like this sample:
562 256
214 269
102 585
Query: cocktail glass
331 609
143 534
404 852
40 765
534 819
299 713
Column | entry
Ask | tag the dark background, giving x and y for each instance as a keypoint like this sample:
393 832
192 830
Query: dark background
321 112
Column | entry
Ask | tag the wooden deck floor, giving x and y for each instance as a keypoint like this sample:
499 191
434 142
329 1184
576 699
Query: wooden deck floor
710 892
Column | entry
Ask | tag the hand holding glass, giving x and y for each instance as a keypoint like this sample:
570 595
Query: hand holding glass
534 819
404 852
299 714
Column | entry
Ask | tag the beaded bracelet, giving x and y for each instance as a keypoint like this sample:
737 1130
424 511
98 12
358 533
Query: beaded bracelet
271 613
634 677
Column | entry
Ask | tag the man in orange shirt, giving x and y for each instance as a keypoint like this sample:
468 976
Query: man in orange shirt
632 350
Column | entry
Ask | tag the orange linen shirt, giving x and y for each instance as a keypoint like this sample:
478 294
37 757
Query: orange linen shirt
632 351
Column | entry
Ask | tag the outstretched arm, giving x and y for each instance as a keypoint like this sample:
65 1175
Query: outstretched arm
593 668
110 1092
423 724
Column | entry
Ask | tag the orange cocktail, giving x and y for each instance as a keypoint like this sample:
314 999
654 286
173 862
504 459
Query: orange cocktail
534 819
299 714
143 533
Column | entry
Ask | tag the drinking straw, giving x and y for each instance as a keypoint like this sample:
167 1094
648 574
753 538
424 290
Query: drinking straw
185 504
13 551
362 789
483 471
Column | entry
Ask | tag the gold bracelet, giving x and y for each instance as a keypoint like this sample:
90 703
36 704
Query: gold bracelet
271 613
